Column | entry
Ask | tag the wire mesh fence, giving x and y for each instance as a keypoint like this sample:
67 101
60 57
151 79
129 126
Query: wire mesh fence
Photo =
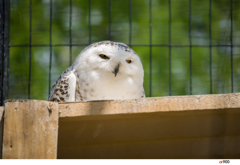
186 47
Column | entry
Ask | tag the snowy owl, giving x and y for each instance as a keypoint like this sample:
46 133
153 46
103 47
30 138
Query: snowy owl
102 71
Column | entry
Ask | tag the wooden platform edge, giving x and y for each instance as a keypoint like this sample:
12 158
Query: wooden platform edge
153 104
1 129
31 126
30 130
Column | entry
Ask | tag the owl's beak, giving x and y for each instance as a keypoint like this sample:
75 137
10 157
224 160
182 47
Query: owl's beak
116 69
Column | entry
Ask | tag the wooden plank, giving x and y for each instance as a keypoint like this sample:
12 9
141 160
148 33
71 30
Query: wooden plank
202 126
30 129
1 130
194 148
140 127
176 134
147 105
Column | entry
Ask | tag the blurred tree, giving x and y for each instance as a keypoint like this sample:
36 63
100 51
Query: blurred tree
127 21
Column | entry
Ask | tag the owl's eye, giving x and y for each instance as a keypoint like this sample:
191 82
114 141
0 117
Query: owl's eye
103 56
129 61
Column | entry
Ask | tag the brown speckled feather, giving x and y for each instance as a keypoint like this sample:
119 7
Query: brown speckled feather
64 88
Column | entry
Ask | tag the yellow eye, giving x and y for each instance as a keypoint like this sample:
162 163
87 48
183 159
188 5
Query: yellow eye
103 56
129 61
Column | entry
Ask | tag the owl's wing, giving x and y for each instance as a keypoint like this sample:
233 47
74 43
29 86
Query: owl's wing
64 88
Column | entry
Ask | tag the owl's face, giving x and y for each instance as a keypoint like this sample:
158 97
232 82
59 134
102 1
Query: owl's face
112 59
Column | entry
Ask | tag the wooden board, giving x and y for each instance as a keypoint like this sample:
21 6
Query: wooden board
200 126
1 129
30 129
190 134
204 126
149 105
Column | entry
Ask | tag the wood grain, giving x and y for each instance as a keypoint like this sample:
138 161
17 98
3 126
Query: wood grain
30 130
148 105
197 126
192 134
1 129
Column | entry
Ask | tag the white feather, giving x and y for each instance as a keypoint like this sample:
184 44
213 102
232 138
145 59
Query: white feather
92 77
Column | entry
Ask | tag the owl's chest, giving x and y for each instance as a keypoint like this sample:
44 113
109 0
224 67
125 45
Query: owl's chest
108 88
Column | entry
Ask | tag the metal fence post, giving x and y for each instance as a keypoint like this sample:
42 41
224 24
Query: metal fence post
4 48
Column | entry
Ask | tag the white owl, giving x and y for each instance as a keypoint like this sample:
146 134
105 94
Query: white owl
102 71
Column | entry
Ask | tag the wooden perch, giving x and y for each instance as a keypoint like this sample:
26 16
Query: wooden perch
198 126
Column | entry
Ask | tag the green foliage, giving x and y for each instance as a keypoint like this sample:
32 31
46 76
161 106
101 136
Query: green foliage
139 38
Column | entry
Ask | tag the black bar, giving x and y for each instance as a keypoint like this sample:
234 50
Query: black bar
90 22
30 50
170 48
70 32
154 45
210 43
4 49
231 37
50 48
1 51
110 20
47 45
130 23
150 46
190 43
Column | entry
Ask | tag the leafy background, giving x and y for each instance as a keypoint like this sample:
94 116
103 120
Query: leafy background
117 25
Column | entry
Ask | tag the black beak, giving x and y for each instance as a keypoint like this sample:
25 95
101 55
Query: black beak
116 69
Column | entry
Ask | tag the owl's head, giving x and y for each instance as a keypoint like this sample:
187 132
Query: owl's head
111 58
